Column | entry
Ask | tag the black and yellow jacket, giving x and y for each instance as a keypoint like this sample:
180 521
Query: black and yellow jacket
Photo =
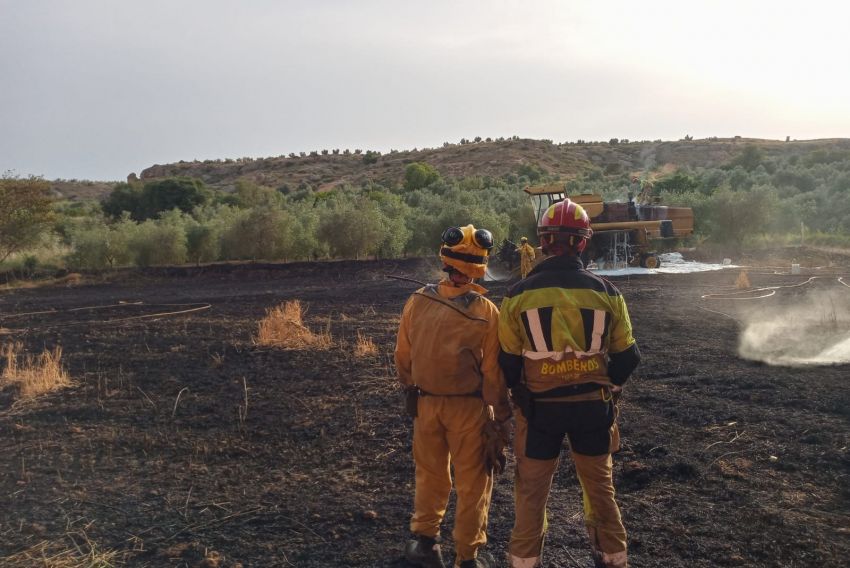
566 330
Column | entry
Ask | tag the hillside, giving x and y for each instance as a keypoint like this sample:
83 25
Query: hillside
81 189
487 158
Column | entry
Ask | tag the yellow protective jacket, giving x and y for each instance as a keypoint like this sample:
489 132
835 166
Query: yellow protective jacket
565 330
448 344
526 252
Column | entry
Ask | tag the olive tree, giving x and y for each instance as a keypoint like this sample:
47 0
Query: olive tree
25 212
158 242
154 197
351 229
736 215
418 175
259 234
97 244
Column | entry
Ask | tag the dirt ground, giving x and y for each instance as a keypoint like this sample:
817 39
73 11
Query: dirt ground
181 443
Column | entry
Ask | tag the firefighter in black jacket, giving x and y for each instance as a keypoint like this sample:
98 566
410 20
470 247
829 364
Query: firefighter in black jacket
567 349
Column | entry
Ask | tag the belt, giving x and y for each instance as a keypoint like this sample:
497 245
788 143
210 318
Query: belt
476 394
602 394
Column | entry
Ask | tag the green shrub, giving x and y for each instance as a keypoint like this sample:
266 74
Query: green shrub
150 200
158 243
97 245
258 234
25 213
418 175
203 242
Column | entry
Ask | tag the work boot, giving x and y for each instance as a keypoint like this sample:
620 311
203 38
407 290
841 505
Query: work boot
424 552
597 560
483 560
616 560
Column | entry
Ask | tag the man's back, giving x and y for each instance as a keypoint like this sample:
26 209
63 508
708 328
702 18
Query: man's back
564 321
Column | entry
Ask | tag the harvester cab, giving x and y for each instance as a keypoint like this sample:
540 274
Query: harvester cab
624 234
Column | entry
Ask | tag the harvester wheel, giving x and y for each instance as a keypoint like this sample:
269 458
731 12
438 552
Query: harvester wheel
650 261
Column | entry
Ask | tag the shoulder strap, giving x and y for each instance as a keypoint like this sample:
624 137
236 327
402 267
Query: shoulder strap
460 304
467 299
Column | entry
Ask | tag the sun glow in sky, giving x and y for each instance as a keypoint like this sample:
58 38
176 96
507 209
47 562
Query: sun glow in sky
96 89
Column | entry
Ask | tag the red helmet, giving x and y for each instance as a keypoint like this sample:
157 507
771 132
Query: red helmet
564 218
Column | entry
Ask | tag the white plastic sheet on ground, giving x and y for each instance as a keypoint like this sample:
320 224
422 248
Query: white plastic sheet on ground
671 263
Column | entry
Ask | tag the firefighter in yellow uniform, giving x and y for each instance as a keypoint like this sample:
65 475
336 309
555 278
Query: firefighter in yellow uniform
526 256
567 349
447 357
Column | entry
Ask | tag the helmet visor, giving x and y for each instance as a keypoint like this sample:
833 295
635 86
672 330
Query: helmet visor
452 236
483 238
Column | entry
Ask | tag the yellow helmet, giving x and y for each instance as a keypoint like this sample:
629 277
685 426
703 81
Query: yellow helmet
523 239
466 249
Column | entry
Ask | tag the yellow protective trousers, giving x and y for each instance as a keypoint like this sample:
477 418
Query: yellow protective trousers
447 432
526 257
601 514
525 265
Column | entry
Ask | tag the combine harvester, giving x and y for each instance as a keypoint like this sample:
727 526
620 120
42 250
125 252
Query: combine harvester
624 234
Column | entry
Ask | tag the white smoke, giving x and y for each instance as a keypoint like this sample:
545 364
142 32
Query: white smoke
813 329
497 274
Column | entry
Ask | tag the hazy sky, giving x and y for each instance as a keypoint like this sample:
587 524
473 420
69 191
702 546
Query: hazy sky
96 89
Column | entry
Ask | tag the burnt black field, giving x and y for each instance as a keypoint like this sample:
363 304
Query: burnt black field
182 443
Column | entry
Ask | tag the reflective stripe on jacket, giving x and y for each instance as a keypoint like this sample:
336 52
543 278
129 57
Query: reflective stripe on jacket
564 322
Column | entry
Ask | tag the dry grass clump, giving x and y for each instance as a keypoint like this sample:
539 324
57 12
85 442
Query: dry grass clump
364 347
34 375
743 281
216 360
62 554
71 279
283 326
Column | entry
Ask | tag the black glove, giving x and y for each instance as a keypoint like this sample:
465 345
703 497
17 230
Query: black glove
616 393
523 399
411 401
496 440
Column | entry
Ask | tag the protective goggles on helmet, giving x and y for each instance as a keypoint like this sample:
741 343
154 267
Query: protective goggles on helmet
482 238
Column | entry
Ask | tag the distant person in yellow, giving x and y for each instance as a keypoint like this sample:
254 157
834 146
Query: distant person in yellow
526 256
447 357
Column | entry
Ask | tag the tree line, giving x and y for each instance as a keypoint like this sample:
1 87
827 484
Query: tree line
179 220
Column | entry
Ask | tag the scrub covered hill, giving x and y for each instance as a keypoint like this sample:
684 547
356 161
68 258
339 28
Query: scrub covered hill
512 159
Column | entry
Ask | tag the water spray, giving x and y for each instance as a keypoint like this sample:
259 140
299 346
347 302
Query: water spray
807 332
